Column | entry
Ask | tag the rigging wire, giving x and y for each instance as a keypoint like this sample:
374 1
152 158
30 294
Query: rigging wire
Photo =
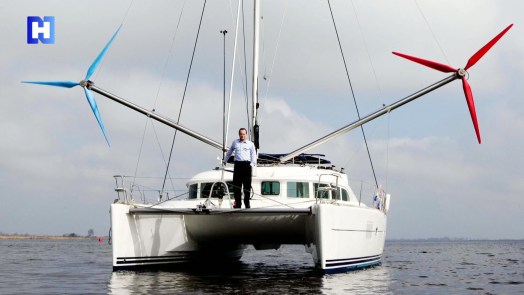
164 71
367 48
352 92
387 151
375 76
276 51
246 94
121 25
100 70
232 76
431 30
184 94
243 72
163 157
224 132
133 181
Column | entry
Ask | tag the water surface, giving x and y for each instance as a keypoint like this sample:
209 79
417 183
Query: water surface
417 267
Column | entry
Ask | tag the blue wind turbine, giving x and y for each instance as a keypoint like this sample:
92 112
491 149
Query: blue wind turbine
84 84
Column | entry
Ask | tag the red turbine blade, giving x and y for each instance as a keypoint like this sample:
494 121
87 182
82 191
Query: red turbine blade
473 60
471 106
428 63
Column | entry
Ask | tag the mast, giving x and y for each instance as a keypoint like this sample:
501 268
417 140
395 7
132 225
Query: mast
256 37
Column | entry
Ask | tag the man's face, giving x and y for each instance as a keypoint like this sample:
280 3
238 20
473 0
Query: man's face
242 134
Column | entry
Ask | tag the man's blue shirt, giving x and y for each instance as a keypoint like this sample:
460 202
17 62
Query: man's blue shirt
244 151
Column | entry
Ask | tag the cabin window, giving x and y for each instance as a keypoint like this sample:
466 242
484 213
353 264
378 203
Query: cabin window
298 189
271 188
321 190
336 194
342 194
218 191
345 195
193 189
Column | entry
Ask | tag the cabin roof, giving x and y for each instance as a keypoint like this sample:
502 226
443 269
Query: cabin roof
300 159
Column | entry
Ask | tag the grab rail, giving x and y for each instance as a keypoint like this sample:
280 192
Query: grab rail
221 191
329 188
120 189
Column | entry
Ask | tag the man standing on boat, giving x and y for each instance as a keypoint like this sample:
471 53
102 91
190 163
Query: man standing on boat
245 160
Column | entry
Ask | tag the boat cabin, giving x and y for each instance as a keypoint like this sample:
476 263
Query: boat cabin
303 177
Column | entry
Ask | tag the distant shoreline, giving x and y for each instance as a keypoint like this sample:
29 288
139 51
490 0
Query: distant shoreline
33 237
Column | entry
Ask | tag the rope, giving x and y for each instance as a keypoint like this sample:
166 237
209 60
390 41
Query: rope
352 92
184 94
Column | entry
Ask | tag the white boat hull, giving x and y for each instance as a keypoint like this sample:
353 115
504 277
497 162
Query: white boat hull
338 237
347 237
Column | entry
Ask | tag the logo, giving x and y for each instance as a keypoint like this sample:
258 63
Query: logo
41 30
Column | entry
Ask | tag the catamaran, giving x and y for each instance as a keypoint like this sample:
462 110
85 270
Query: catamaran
296 197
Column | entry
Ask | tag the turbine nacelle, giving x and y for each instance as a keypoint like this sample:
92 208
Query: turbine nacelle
85 83
462 72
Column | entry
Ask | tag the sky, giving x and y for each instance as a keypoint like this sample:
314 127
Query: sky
56 170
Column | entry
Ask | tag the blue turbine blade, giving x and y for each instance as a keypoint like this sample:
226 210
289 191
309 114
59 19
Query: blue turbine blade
97 61
91 99
65 84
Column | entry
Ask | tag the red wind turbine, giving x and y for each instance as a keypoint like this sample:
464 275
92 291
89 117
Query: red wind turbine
461 73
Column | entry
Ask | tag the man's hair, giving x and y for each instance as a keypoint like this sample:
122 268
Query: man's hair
242 129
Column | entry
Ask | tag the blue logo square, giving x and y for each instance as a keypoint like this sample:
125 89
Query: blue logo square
41 30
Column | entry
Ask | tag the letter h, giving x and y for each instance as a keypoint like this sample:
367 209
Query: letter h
38 29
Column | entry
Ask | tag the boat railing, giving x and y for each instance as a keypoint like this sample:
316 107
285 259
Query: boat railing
137 190
373 197
221 190
329 188
120 188
122 192
128 190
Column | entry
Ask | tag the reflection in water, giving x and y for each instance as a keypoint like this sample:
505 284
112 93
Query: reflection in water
287 271
373 280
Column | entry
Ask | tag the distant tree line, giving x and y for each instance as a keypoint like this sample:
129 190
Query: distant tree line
90 233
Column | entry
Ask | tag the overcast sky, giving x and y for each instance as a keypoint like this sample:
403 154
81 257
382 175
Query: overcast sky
56 168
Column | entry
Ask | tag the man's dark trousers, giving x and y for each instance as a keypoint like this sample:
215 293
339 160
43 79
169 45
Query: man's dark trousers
242 177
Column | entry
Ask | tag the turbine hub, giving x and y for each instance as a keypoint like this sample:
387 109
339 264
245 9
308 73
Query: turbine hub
86 83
